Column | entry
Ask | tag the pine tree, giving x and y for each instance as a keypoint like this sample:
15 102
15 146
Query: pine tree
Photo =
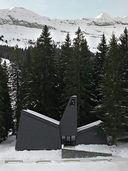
72 66
66 69
111 90
2 113
99 71
16 77
26 70
124 75
77 75
76 81
44 84
6 121
7 100
86 84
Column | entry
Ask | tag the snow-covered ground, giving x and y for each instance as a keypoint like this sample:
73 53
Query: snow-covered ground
51 160
70 166
22 27
24 36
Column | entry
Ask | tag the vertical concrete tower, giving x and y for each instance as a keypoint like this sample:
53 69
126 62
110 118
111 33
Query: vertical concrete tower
68 123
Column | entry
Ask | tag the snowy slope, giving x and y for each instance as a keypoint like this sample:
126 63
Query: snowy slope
22 27
51 160
8 152
19 15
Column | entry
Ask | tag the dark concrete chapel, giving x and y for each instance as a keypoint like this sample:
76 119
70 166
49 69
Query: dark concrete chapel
39 132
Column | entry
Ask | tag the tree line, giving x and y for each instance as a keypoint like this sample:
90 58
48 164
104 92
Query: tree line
42 78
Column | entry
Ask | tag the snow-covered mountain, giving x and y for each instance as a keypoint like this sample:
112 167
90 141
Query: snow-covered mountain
104 20
22 27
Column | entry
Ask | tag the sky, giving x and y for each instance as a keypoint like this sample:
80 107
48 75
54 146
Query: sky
70 9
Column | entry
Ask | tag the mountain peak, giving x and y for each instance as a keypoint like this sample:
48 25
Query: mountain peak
104 19
17 8
22 16
21 10
103 15
21 26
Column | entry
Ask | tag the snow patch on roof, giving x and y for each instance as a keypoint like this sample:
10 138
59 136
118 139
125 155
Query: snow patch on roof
74 96
89 125
42 116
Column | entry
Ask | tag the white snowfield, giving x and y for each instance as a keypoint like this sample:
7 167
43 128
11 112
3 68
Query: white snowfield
22 27
51 160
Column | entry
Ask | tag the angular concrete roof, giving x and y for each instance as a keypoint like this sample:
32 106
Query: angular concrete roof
42 116
89 126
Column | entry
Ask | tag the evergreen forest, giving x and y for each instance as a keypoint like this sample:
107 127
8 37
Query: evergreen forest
43 77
